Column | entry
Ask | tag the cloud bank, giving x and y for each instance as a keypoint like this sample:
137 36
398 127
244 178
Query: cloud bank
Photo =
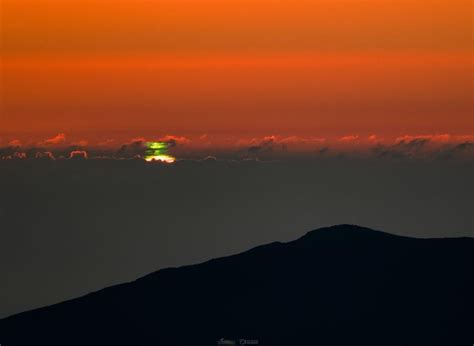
271 147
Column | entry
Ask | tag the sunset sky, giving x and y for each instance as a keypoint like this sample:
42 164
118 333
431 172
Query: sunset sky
101 68
145 134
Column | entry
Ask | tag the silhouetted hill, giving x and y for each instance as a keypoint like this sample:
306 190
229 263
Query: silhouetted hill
342 285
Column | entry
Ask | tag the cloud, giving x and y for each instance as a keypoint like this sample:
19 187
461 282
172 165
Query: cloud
19 155
466 146
137 140
323 151
58 139
349 138
15 143
45 155
465 138
414 144
265 146
173 141
301 141
457 151
372 138
276 144
136 147
434 138
78 154
402 149
210 158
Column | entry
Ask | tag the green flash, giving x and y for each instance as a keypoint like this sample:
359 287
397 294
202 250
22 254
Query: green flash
158 151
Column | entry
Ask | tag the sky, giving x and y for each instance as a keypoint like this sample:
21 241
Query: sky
280 117
102 69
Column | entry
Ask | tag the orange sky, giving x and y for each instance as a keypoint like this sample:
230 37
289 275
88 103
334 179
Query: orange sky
315 67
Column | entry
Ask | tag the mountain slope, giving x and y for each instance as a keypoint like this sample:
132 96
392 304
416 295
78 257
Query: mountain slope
337 285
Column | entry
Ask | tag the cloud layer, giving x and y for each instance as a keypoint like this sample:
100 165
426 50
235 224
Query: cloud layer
271 147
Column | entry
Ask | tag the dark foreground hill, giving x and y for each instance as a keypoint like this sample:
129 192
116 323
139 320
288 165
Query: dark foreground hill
343 285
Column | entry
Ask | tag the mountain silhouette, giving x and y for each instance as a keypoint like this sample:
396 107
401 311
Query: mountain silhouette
341 285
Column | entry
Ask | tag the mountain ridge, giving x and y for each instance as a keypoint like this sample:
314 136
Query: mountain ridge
343 277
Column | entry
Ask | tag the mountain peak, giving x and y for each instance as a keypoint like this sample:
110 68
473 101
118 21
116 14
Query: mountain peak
337 285
345 231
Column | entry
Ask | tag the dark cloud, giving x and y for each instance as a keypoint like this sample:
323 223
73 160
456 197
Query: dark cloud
402 149
460 150
267 145
323 150
463 147
133 149
414 145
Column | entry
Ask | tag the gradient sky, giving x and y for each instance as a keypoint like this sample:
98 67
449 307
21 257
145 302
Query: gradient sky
99 78
312 67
